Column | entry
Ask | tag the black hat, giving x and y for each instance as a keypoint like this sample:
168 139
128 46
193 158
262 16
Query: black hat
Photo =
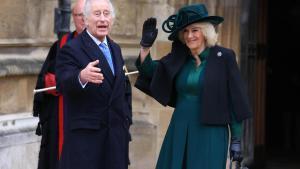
188 15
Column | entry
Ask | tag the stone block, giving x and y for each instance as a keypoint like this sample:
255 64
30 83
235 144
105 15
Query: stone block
125 21
25 19
13 19
19 146
143 147
144 107
162 48
16 94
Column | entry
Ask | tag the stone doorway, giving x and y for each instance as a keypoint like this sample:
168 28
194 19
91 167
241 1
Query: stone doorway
268 62
283 85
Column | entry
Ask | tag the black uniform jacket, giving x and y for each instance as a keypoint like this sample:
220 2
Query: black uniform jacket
45 106
224 91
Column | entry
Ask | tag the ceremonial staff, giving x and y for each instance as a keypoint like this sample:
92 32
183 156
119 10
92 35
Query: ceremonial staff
54 87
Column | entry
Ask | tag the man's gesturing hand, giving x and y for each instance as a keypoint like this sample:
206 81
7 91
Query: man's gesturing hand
91 73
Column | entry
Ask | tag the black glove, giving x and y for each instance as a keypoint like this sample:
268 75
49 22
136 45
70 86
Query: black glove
235 149
149 32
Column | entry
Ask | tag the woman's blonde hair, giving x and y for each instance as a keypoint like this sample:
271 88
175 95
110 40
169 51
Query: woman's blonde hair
209 33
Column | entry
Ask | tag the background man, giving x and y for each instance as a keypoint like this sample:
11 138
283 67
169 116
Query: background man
48 106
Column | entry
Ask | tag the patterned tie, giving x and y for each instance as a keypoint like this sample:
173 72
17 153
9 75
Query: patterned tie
107 55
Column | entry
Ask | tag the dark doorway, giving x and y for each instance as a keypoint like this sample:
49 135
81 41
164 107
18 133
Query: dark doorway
283 85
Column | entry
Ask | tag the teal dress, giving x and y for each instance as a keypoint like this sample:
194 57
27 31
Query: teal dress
189 144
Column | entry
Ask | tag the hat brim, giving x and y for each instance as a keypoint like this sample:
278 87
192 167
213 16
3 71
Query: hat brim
215 20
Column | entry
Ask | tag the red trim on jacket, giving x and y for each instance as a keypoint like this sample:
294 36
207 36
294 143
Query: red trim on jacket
67 37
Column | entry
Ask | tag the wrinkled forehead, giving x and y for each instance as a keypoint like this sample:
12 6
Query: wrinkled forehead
100 5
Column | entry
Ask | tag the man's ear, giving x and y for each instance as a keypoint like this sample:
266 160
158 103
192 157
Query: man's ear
85 21
112 21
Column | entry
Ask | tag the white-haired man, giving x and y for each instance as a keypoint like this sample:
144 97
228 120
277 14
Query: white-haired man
91 78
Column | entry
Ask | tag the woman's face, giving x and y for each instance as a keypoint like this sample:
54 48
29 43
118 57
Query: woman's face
193 37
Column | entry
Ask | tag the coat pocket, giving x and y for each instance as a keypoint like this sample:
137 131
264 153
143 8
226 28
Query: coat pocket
86 123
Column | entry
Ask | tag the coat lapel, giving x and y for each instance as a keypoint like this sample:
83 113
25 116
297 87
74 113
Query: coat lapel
118 63
94 53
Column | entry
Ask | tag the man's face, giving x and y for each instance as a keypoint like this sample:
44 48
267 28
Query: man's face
100 19
78 17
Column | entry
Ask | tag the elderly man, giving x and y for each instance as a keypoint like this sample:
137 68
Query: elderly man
90 76
48 106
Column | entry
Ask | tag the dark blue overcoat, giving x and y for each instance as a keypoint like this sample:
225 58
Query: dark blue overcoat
97 117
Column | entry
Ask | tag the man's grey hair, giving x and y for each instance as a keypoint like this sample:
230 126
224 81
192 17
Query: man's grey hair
87 8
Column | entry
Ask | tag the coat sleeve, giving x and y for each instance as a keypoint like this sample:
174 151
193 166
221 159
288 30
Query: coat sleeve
67 70
146 70
237 89
160 85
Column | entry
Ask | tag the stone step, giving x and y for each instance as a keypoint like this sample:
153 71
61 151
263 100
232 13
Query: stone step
19 145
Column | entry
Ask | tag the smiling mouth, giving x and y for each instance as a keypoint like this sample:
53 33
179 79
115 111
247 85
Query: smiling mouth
191 41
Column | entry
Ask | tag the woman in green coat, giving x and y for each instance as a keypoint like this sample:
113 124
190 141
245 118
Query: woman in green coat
202 82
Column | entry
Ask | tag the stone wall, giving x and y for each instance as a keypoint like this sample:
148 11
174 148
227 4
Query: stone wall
26 35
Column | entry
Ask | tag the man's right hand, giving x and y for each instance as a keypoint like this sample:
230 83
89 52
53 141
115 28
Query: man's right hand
91 73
